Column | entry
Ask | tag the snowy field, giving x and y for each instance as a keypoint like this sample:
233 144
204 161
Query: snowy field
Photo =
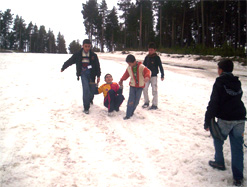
47 141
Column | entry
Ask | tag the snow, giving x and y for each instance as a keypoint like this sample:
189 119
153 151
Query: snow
46 139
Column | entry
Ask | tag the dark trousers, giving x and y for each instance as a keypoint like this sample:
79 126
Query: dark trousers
113 101
88 88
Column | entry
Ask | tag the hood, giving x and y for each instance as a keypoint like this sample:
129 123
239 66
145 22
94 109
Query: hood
231 83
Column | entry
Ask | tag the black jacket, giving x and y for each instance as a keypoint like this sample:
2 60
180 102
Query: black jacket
77 59
225 101
152 62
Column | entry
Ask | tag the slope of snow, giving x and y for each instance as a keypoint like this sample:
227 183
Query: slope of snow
46 139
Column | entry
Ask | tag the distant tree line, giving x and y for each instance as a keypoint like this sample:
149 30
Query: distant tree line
17 35
194 24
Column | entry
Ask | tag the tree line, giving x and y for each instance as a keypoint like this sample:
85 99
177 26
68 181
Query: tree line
15 34
204 25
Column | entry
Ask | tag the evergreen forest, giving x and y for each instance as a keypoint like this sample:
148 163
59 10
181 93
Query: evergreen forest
205 27
216 27
18 36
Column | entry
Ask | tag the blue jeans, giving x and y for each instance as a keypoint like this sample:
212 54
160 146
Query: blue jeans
88 87
235 130
134 98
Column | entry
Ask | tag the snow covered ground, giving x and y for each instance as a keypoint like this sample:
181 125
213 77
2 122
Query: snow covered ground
46 140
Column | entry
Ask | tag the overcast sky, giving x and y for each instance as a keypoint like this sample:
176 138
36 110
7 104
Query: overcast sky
63 16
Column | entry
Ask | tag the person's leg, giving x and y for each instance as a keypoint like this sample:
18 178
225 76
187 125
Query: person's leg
145 94
130 104
219 162
111 100
225 128
118 101
236 141
154 91
219 157
92 86
138 93
85 90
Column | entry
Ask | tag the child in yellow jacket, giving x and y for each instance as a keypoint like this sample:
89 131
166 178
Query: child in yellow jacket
112 92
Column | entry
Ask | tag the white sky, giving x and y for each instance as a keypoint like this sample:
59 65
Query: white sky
63 16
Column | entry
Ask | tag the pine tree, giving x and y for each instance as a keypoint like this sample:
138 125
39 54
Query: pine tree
74 46
132 27
6 22
61 46
34 39
28 36
91 17
124 6
42 40
146 20
112 29
51 42
102 15
20 33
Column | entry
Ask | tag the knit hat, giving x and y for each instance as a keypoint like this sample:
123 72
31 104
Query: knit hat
226 65
130 58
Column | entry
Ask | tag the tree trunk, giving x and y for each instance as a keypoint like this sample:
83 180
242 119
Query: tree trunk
173 31
198 23
140 34
182 34
239 26
112 42
224 24
160 26
203 27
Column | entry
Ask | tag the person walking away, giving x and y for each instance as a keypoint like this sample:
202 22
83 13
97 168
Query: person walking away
226 105
139 74
152 61
87 67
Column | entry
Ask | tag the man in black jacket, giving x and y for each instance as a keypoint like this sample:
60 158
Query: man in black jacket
226 105
87 67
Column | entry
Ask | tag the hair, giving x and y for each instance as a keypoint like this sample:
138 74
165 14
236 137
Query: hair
226 65
108 74
86 41
152 45
130 58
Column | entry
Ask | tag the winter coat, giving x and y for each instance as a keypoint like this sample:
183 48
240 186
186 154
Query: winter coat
106 87
225 101
77 59
153 62
142 73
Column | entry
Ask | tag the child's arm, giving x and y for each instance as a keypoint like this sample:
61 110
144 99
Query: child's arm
124 77
213 105
98 90
120 90
161 68
69 62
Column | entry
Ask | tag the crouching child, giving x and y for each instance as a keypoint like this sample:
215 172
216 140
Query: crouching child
113 97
